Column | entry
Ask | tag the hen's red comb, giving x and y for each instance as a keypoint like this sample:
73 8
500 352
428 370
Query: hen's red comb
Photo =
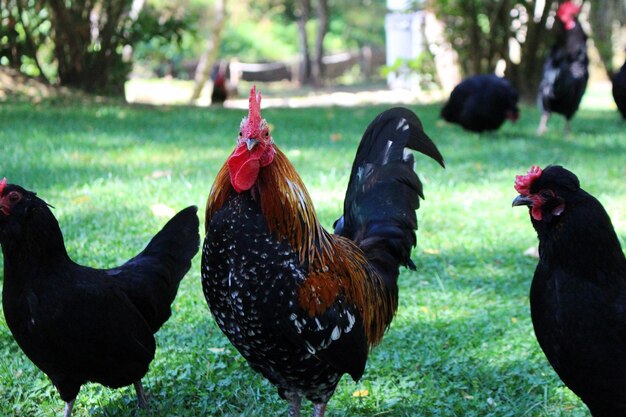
254 109
523 182
3 184
567 10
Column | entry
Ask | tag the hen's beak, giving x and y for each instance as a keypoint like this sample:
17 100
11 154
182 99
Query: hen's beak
251 143
521 200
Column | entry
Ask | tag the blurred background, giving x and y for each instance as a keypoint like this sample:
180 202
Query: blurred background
209 51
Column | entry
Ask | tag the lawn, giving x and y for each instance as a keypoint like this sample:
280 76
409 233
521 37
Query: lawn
462 343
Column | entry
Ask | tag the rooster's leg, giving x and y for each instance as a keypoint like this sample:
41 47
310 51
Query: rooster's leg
294 404
543 124
568 128
142 401
319 410
68 409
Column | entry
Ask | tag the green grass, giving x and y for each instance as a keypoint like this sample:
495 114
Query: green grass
462 343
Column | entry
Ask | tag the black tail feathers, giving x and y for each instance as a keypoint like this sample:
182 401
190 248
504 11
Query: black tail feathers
178 239
152 277
384 191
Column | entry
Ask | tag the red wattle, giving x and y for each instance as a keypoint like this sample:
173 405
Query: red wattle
536 213
244 168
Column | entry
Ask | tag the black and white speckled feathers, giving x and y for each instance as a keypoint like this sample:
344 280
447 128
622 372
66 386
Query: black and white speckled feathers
250 280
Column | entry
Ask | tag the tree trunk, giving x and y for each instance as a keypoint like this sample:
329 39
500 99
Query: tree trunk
29 41
602 16
209 56
318 53
526 75
304 7
475 36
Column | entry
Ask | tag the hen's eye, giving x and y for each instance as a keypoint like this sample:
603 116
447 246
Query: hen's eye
14 197
267 133
547 194
240 134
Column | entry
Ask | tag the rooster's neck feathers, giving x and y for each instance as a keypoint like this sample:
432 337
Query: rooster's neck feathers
286 205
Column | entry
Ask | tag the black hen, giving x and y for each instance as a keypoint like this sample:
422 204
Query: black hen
619 90
304 306
565 72
79 324
482 102
578 293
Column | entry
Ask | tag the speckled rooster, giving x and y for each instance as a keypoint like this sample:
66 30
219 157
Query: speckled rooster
302 305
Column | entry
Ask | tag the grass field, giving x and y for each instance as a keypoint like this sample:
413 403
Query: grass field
462 343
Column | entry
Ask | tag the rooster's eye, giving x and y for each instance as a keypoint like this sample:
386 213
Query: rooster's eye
240 134
267 133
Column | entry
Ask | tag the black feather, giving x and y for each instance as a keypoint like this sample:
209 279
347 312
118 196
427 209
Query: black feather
481 102
384 191
619 90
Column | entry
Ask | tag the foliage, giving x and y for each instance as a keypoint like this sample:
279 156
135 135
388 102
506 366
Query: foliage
25 31
83 44
482 32
462 343
422 68
163 37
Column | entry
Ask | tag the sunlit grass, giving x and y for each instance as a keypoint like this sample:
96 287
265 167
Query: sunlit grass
462 342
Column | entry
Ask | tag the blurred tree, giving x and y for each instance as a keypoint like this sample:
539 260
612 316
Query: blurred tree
303 12
209 56
24 36
606 18
485 32
88 38
85 44
318 50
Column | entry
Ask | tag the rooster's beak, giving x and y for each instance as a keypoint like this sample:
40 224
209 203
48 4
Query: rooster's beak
521 200
251 143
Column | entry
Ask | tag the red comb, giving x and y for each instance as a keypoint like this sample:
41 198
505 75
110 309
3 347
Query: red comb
3 184
254 110
523 182
567 10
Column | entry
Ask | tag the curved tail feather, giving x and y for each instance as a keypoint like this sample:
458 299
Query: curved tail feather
384 191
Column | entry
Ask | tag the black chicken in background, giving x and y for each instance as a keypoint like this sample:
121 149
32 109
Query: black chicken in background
482 102
565 72
578 292
79 324
619 90
220 80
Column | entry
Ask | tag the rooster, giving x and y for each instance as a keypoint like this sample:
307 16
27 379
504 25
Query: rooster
304 306
565 72
578 293
482 102
80 324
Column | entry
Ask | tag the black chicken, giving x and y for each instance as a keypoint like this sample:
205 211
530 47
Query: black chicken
304 306
79 324
619 90
565 72
482 102
578 293
219 94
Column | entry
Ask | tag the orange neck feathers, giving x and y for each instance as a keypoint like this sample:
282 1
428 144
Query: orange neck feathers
286 205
